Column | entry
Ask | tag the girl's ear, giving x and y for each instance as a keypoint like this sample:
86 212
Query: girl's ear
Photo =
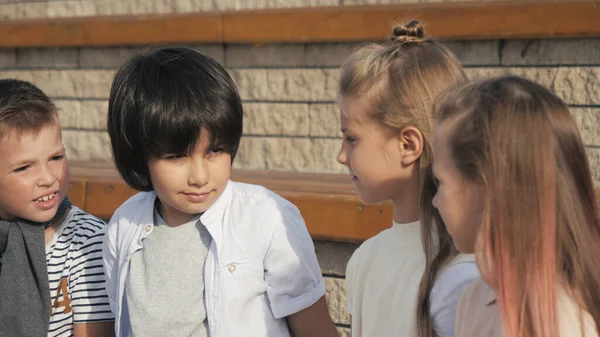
410 141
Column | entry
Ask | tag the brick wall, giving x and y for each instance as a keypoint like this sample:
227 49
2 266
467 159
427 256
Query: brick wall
21 9
291 122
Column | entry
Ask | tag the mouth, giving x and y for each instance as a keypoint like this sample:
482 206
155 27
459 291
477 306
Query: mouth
46 198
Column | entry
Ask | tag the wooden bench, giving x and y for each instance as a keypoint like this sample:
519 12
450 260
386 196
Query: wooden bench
444 20
327 201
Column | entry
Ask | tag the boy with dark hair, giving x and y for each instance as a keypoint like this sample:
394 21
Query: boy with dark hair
197 254
67 285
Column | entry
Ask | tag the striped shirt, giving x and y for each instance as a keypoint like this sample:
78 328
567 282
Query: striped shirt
76 274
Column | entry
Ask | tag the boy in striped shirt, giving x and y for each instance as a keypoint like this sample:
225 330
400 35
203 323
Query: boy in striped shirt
34 179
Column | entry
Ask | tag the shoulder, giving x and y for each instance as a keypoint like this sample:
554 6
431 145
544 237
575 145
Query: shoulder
83 227
458 272
477 294
256 201
366 251
138 202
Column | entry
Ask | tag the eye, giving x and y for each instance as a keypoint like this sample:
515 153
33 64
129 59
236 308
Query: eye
215 150
57 157
21 169
349 139
174 156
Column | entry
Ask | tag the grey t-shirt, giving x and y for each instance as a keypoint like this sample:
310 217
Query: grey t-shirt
165 287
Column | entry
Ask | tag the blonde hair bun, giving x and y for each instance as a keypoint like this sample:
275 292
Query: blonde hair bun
413 31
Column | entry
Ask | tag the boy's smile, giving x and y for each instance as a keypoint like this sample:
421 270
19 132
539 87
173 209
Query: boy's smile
34 176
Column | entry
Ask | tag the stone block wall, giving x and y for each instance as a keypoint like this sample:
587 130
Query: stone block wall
24 9
291 121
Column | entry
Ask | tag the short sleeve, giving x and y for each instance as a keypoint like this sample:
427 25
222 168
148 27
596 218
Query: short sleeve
110 262
446 294
89 299
350 277
292 274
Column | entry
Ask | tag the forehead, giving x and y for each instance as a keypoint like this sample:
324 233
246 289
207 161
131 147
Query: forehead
16 142
354 110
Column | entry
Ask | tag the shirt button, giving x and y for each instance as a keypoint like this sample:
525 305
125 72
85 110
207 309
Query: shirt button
148 228
232 267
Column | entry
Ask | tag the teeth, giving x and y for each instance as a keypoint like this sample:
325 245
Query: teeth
46 198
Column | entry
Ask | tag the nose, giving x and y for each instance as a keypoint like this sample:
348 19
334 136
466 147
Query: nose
46 178
342 156
199 173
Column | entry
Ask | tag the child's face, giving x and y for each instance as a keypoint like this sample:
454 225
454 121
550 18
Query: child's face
459 200
34 176
188 184
371 152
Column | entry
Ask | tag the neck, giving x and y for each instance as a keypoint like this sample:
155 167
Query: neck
407 207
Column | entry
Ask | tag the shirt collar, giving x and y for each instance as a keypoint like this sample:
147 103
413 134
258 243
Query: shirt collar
212 218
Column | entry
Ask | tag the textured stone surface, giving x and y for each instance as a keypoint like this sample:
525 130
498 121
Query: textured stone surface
271 55
8 58
67 83
329 54
575 85
290 119
336 299
87 145
324 120
289 154
384 2
262 4
105 57
344 331
215 51
551 52
70 8
47 58
594 158
475 52
333 256
82 115
588 121
578 85
305 85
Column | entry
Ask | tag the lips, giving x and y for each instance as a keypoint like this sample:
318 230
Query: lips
46 198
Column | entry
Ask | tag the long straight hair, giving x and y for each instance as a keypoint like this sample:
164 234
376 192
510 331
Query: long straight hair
402 80
540 230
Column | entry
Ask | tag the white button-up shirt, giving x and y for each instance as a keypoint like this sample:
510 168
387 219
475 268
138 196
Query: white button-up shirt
261 265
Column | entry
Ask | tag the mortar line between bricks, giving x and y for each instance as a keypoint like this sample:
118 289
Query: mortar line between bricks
339 277
593 106
287 102
303 67
292 136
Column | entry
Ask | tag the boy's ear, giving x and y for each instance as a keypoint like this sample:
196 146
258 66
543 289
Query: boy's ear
410 141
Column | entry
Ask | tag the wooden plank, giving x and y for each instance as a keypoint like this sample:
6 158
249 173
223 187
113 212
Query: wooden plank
77 191
327 202
444 20
112 30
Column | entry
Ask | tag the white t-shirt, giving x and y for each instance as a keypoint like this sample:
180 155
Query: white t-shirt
383 278
74 259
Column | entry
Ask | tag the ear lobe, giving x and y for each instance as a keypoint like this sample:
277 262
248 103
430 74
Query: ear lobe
411 143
